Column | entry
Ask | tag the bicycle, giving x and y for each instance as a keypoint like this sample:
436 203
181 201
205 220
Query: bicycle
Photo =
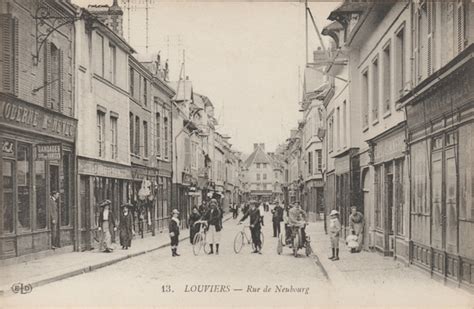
241 238
199 241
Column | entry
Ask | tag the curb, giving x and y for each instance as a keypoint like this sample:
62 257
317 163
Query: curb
83 270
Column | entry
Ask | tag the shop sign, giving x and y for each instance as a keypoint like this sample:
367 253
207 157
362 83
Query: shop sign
8 148
104 170
389 148
36 119
48 152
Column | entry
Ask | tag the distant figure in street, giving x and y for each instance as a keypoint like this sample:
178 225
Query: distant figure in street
334 233
255 228
356 224
106 225
173 229
277 217
214 221
126 227
261 208
193 228
53 212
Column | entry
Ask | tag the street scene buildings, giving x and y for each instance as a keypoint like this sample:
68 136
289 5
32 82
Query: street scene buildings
384 131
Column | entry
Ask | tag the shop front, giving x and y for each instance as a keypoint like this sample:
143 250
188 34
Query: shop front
163 196
389 192
37 158
314 198
441 128
99 180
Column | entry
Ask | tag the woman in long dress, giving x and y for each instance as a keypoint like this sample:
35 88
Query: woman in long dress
126 227
106 224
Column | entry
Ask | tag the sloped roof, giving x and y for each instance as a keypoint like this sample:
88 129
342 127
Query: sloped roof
258 156
183 89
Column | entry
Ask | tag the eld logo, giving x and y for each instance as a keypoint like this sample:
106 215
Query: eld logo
22 288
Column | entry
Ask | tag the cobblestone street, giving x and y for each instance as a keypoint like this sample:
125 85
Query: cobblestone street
240 279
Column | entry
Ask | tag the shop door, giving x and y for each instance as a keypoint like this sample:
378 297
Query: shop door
444 192
388 226
54 186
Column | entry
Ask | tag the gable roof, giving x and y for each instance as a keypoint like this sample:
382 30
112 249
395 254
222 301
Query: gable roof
258 156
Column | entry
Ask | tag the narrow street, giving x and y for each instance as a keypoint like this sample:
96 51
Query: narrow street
136 280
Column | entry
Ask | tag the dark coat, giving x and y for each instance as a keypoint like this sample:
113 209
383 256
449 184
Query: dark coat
277 214
214 217
254 215
173 228
126 229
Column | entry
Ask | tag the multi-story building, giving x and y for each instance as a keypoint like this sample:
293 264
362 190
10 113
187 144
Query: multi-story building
103 145
410 105
38 126
312 144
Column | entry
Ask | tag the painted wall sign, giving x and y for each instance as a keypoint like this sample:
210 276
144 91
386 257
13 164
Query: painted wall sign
48 152
36 119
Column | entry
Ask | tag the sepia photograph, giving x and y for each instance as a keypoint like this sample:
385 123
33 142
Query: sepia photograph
237 153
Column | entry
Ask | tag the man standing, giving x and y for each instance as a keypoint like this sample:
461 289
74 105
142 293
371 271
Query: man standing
277 217
53 213
255 227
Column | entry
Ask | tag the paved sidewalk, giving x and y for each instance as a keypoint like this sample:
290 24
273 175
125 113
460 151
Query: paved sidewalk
370 279
61 266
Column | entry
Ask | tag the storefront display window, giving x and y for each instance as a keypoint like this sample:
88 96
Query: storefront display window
41 195
23 185
7 173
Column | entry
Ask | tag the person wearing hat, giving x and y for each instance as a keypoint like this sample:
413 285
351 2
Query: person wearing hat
277 217
334 234
126 231
53 213
193 228
214 222
106 224
255 226
173 229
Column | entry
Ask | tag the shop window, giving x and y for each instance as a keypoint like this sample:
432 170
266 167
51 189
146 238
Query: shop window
378 196
7 207
23 185
41 195
400 197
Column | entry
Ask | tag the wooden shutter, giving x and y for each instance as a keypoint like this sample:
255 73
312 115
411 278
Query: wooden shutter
47 75
6 52
15 56
460 26
61 82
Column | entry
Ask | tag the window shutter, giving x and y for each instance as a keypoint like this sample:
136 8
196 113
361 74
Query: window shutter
61 83
47 75
460 26
6 50
15 55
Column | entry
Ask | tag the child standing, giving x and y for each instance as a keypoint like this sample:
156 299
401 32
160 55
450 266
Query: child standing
174 232
334 233
352 242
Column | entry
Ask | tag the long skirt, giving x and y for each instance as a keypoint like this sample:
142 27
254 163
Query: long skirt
215 237
126 237
106 241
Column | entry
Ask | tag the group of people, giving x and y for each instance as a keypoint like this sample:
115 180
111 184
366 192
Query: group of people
210 213
356 227
107 224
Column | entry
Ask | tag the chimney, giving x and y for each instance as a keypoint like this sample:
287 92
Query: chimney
262 146
255 146
111 16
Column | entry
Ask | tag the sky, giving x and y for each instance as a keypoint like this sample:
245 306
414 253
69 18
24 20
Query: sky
247 57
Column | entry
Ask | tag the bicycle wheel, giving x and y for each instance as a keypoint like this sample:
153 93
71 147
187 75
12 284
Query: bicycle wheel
205 245
239 242
197 244
309 250
296 244
280 245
